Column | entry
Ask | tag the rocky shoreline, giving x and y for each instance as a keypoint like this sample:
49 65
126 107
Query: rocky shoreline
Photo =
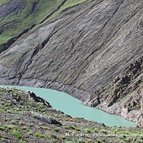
135 116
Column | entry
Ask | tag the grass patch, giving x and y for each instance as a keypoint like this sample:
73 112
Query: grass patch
16 134
39 135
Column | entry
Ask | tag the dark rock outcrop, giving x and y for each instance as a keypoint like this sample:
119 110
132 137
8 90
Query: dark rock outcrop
38 99
46 119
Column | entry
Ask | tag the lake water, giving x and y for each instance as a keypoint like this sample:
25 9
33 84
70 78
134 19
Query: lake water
73 107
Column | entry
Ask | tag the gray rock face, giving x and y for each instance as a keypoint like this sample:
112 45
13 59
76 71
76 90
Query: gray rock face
82 52
7 9
11 6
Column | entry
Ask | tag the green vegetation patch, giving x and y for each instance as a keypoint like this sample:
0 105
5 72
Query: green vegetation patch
33 13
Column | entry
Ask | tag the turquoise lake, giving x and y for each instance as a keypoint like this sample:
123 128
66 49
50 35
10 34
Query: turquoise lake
73 107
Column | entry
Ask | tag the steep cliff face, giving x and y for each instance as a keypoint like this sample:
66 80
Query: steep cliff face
93 51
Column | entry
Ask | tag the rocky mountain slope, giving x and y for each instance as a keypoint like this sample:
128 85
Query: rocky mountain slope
92 51
24 117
